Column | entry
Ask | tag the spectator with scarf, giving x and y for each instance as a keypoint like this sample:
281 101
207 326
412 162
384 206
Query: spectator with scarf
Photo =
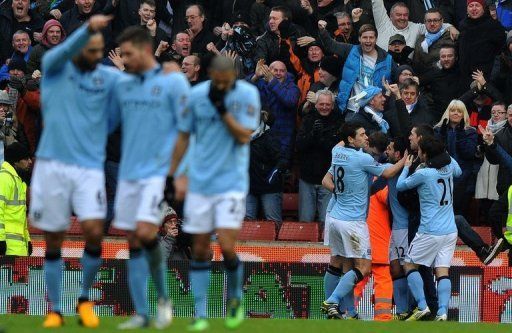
428 45
371 107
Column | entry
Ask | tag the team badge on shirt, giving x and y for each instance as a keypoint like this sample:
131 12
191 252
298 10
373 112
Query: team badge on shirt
251 110
156 90
97 81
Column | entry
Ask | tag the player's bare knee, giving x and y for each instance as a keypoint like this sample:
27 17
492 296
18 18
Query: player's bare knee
442 272
364 266
410 267
396 270
336 261
146 234
54 240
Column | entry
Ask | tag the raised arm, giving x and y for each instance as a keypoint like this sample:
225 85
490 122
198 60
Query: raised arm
380 15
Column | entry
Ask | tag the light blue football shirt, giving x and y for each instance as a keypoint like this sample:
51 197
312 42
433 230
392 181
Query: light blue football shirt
74 106
217 162
435 189
150 107
400 214
353 172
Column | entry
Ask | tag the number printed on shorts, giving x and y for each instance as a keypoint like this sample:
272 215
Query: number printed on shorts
444 200
400 251
339 185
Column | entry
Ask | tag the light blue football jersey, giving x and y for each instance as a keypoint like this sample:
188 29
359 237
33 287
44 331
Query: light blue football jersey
74 106
435 190
150 108
217 162
353 172
400 214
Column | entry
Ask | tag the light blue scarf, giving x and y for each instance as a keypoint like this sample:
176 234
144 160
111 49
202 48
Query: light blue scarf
431 38
379 118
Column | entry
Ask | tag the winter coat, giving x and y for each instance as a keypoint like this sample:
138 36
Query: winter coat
280 99
480 41
315 146
265 158
461 144
424 61
442 85
504 139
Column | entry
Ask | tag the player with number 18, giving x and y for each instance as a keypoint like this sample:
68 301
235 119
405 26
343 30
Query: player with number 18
349 179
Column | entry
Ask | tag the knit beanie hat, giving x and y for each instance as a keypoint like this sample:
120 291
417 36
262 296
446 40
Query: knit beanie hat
331 65
364 97
482 2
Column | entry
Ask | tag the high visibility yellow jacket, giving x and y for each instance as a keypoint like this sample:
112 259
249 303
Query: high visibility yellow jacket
508 232
13 211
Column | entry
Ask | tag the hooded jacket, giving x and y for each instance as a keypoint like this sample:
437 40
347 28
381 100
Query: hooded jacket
34 61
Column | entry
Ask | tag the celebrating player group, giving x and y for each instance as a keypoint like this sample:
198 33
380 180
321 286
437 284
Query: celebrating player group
157 111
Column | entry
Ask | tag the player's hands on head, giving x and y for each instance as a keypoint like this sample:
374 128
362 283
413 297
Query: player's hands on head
216 96
99 22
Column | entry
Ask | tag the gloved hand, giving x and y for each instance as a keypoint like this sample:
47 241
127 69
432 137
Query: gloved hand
3 248
169 190
32 85
275 176
444 128
284 28
30 249
17 83
318 126
216 96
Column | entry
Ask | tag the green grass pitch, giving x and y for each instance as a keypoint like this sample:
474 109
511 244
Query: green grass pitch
32 324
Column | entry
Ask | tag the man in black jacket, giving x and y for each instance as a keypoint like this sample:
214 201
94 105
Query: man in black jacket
200 35
317 136
17 17
443 83
274 44
147 14
78 14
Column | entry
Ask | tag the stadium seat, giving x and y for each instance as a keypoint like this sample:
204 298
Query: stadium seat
299 231
484 232
258 231
291 206
75 228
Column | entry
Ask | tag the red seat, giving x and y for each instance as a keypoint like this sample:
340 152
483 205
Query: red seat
258 231
291 206
484 232
299 231
75 228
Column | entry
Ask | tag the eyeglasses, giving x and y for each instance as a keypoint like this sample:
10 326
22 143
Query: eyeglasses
499 112
433 21
191 17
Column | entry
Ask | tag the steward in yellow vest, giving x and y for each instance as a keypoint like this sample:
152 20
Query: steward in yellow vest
14 236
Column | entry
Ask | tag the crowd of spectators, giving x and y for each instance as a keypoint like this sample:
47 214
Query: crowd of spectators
386 64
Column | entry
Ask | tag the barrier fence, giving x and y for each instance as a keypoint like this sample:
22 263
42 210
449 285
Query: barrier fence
271 290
